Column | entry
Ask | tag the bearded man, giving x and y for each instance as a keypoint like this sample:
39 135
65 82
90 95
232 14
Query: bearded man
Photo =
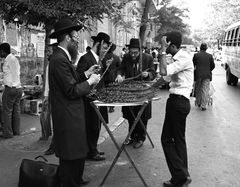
66 91
130 67
101 43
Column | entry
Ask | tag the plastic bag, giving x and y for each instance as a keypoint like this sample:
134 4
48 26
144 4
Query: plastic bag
211 89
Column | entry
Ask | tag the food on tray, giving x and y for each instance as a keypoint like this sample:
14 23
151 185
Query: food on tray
126 92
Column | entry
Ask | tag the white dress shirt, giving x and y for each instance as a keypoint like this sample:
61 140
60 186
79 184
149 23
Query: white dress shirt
46 91
180 72
95 56
11 72
66 51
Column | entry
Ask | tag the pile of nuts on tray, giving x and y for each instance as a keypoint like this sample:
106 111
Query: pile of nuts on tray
126 92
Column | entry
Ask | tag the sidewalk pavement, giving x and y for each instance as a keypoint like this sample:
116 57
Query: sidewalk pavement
147 159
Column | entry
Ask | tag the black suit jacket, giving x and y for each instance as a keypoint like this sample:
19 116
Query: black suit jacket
84 63
128 69
204 64
66 93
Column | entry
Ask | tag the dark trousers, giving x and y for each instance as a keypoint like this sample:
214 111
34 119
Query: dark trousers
93 126
138 132
70 172
173 137
11 111
52 144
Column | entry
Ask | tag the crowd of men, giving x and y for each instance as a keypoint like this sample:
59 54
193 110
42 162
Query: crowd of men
76 126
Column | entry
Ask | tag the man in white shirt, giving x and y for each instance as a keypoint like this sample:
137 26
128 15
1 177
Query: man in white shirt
12 92
177 108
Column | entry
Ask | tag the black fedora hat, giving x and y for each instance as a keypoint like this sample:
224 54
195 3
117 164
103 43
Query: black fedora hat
102 36
65 25
134 43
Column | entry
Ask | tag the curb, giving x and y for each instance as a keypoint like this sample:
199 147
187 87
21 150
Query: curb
112 128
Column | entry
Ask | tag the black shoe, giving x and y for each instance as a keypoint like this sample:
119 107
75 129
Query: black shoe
187 182
50 151
169 184
84 182
96 157
6 136
111 109
129 141
101 153
203 108
138 144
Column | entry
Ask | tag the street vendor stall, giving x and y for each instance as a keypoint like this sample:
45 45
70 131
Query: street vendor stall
134 93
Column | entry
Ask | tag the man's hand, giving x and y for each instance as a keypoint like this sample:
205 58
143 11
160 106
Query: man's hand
109 62
119 78
159 82
93 79
145 74
92 70
164 44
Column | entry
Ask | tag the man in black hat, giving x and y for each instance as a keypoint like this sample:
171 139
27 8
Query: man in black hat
100 45
130 67
204 64
66 98
180 72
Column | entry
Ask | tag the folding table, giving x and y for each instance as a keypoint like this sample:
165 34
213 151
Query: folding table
143 104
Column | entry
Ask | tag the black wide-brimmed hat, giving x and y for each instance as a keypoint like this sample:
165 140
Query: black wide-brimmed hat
102 36
63 26
134 43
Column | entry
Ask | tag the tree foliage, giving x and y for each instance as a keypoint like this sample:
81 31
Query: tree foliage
46 11
170 18
222 14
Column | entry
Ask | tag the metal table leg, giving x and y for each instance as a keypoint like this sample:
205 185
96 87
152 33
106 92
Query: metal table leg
143 128
122 148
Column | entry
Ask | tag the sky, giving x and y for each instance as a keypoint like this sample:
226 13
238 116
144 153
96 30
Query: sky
198 10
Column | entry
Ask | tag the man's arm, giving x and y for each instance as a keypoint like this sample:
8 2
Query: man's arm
163 61
212 64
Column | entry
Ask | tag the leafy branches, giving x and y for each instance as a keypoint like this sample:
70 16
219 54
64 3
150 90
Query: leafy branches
44 11
222 14
170 18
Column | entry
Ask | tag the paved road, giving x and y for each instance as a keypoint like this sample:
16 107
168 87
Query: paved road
212 139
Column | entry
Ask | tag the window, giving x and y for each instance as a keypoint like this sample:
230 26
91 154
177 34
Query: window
235 39
231 39
224 41
228 37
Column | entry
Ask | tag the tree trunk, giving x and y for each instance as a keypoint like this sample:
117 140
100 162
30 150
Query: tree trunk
45 115
143 28
144 21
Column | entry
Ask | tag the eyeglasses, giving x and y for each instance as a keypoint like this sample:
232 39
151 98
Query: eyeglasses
134 53
76 37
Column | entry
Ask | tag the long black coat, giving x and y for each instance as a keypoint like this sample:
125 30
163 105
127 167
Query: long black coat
204 64
128 69
68 115
84 63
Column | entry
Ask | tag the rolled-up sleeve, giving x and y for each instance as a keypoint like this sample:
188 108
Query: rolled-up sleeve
178 65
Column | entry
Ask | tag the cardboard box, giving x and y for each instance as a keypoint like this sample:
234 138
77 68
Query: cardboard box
35 106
